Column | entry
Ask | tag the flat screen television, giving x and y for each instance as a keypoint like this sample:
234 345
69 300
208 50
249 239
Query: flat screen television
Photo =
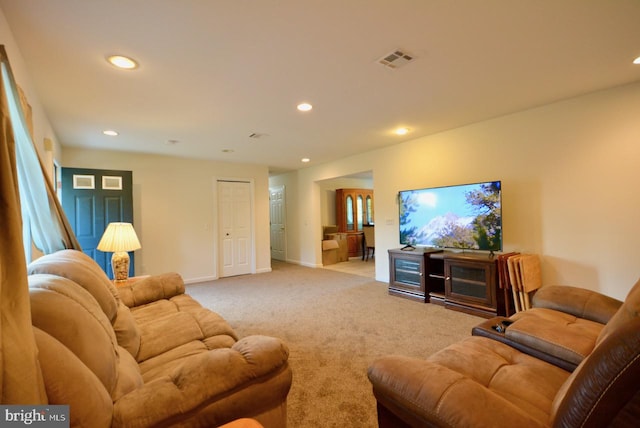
467 216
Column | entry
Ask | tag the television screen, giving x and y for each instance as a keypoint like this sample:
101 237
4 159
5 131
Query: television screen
466 216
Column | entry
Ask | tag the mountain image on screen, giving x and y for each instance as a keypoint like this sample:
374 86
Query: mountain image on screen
467 216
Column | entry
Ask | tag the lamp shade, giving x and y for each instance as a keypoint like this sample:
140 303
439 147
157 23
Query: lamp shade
119 237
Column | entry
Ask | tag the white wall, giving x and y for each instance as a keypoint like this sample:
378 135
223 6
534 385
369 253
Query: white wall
174 209
569 173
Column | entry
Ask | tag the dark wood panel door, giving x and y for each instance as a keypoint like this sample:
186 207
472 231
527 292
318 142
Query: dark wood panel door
92 199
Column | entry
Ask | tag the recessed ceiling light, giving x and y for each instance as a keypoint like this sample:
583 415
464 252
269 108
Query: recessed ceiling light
401 131
110 133
122 62
305 160
304 106
637 60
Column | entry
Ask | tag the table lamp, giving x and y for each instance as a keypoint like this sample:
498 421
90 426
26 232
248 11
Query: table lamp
119 238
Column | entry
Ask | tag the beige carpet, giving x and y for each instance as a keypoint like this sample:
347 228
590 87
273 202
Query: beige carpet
335 325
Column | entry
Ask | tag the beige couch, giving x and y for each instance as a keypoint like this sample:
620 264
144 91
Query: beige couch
147 354
484 382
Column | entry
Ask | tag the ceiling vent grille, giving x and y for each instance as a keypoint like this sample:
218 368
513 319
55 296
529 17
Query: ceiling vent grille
256 135
396 59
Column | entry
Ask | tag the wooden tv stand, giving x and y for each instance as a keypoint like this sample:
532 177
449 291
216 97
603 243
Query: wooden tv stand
462 281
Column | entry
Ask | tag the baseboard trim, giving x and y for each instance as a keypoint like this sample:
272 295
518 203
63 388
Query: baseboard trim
213 278
198 280
305 264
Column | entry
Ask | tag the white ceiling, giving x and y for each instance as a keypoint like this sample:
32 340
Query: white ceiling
212 72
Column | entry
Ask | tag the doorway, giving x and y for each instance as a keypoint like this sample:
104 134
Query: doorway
328 216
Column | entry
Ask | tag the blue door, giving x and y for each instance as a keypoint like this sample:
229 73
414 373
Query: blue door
92 199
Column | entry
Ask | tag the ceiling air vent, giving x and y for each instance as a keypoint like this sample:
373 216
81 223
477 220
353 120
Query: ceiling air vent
395 59
256 135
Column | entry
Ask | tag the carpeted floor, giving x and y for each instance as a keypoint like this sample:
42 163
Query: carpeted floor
335 325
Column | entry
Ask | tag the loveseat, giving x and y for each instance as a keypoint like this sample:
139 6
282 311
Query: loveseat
147 354
491 380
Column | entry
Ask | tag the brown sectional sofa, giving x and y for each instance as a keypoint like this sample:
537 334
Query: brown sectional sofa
147 354
548 367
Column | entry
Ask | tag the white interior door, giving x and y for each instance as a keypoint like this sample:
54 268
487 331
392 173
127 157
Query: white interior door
234 220
277 221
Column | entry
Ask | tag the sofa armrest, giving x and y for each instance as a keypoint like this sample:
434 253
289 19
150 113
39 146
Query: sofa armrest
150 289
579 302
422 393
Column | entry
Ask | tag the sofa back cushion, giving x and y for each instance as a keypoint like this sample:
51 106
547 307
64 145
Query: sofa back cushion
127 331
606 382
68 381
84 271
70 314
629 310
579 302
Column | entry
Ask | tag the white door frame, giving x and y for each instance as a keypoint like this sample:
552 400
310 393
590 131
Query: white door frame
216 242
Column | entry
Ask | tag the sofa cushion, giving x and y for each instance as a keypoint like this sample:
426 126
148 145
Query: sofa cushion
69 313
629 310
166 362
84 271
488 379
129 376
560 335
68 381
205 378
126 329
167 332
167 324
604 382
505 371
579 302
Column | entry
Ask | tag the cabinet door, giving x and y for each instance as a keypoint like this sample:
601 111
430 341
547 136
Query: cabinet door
354 244
368 208
407 274
359 211
349 208
470 282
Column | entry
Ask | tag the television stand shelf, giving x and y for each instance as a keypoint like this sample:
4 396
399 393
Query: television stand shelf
465 282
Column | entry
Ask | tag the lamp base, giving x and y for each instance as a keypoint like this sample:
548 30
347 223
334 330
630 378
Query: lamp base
120 265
